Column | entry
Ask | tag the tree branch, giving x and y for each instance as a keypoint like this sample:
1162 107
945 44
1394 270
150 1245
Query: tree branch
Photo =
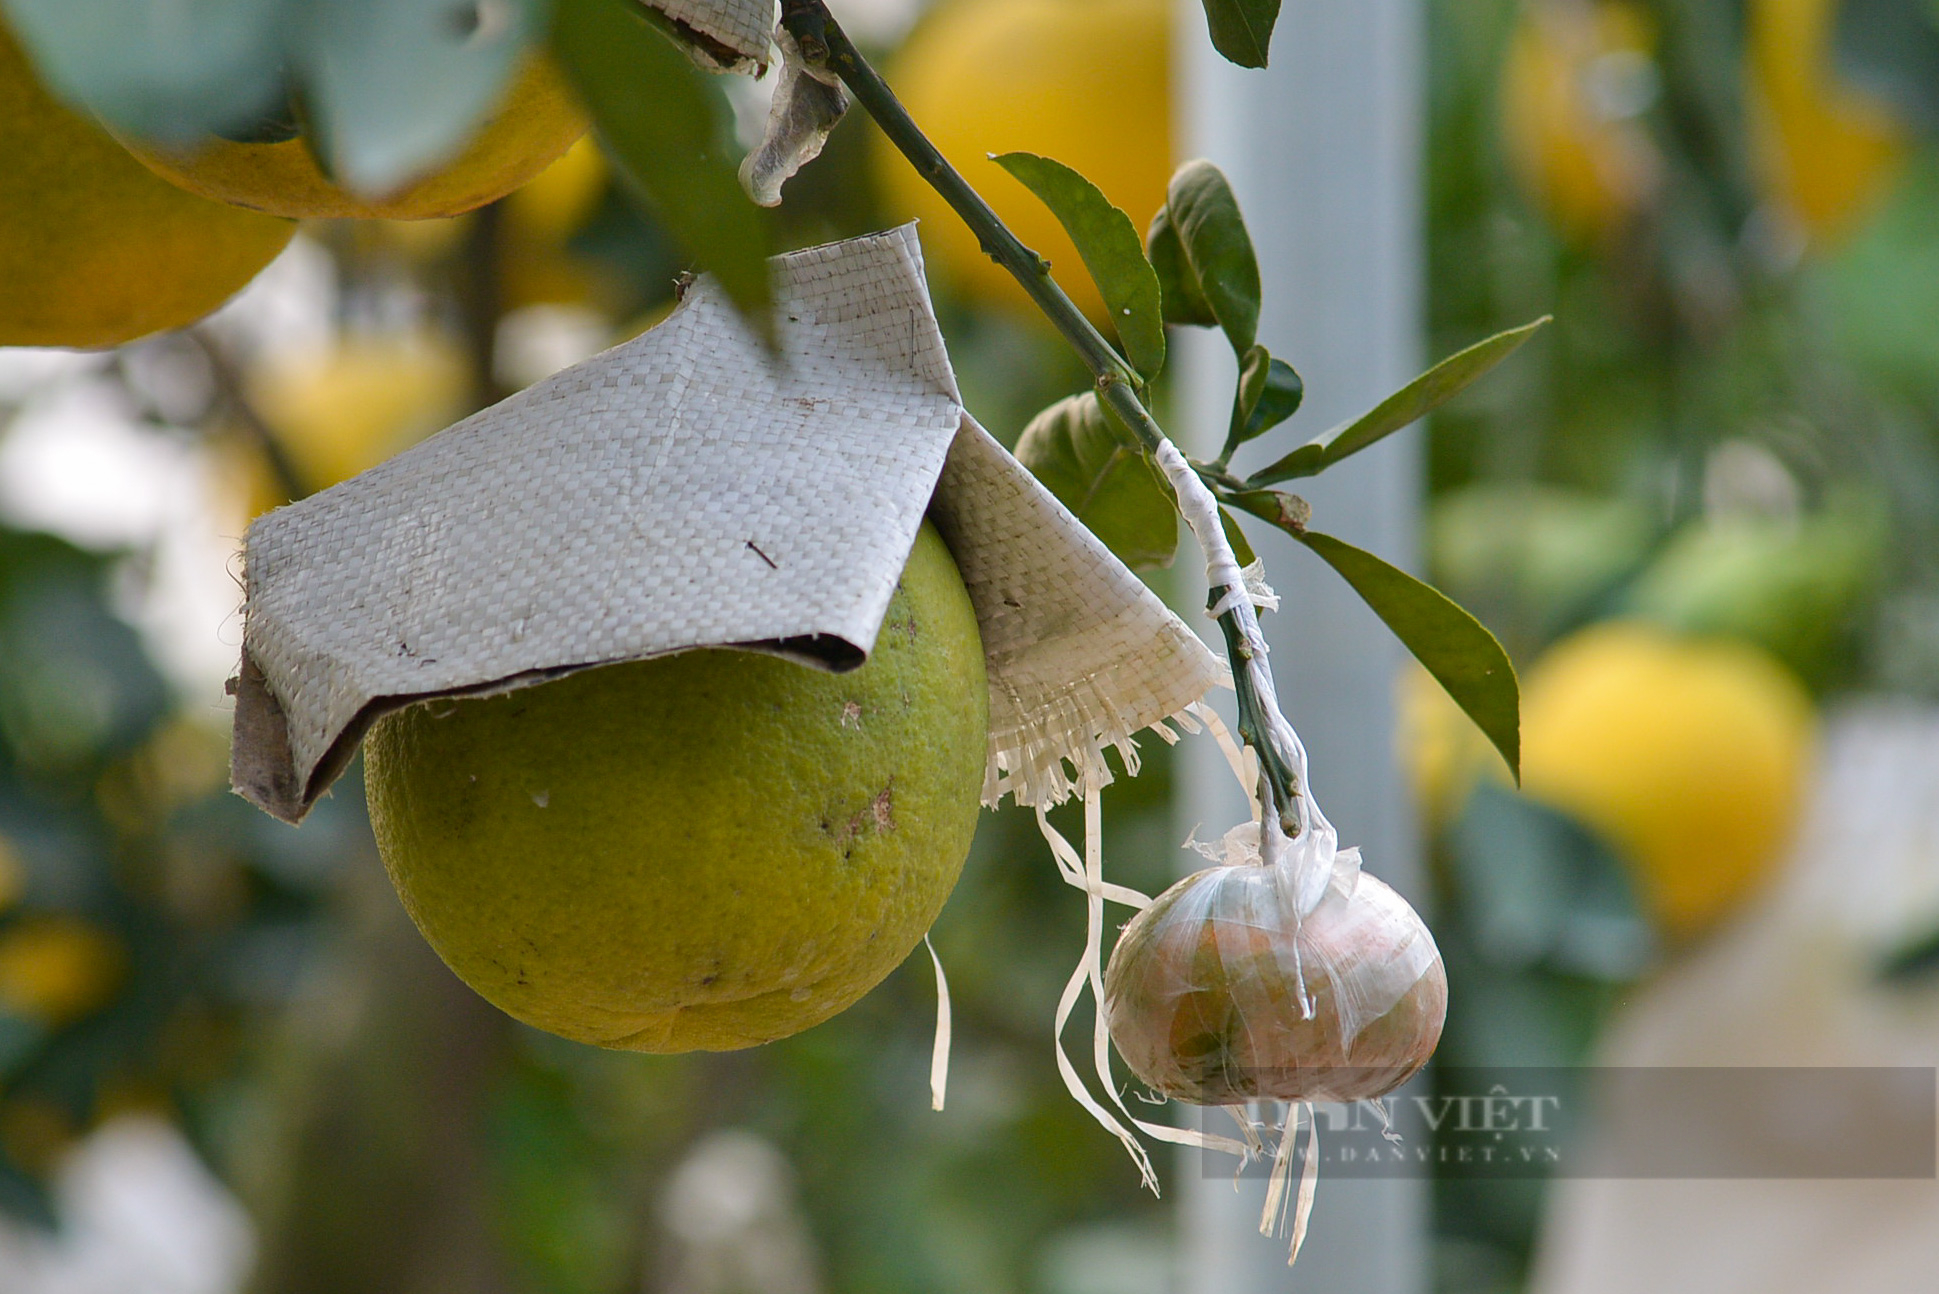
823 44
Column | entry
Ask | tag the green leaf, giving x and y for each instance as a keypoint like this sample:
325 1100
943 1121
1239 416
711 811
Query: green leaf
169 70
1913 961
668 127
1278 401
1269 393
1217 249
1455 647
1108 242
1253 367
1412 402
1242 29
1101 475
1184 303
393 88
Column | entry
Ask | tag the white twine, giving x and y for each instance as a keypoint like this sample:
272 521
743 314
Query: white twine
1273 1213
1273 1216
1228 580
939 1054
1309 861
1309 1180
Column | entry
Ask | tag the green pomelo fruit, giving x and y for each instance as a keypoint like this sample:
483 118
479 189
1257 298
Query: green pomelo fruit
702 851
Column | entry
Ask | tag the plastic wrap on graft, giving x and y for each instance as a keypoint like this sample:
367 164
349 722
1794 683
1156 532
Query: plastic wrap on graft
1203 993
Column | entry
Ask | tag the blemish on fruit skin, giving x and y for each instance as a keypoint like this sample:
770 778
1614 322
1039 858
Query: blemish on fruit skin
800 995
882 808
851 715
541 798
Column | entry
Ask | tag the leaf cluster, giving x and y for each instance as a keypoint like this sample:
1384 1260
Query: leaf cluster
1197 267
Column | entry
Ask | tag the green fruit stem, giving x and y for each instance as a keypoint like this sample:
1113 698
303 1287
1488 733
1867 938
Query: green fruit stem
824 44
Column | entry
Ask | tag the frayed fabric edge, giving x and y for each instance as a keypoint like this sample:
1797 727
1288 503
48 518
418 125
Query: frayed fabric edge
1043 762
1059 774
1086 872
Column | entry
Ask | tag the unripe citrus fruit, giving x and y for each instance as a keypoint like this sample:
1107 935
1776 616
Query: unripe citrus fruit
1828 150
1203 993
1087 82
1568 100
701 851
56 968
1440 747
94 250
1689 755
550 207
539 120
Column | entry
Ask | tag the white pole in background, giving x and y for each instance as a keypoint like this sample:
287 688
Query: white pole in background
1324 151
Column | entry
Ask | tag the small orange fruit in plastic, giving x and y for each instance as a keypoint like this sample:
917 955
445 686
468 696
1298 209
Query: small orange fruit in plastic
1217 994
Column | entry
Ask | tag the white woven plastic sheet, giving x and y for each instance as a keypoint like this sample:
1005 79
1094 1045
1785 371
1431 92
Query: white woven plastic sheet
742 26
685 490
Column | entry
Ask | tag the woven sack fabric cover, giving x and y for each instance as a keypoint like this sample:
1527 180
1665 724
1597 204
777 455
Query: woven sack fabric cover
685 490
743 26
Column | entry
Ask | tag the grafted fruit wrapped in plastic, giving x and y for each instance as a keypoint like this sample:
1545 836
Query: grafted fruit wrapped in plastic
1220 992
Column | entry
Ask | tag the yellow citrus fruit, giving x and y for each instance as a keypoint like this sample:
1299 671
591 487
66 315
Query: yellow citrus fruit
1689 755
1828 151
539 120
1568 100
1441 749
94 250
339 411
552 205
1086 82
703 851
535 266
56 968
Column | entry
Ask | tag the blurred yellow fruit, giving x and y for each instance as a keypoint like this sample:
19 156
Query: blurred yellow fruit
95 251
1576 77
1442 749
1086 82
552 205
1689 755
538 121
535 266
56 968
340 411
1827 150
